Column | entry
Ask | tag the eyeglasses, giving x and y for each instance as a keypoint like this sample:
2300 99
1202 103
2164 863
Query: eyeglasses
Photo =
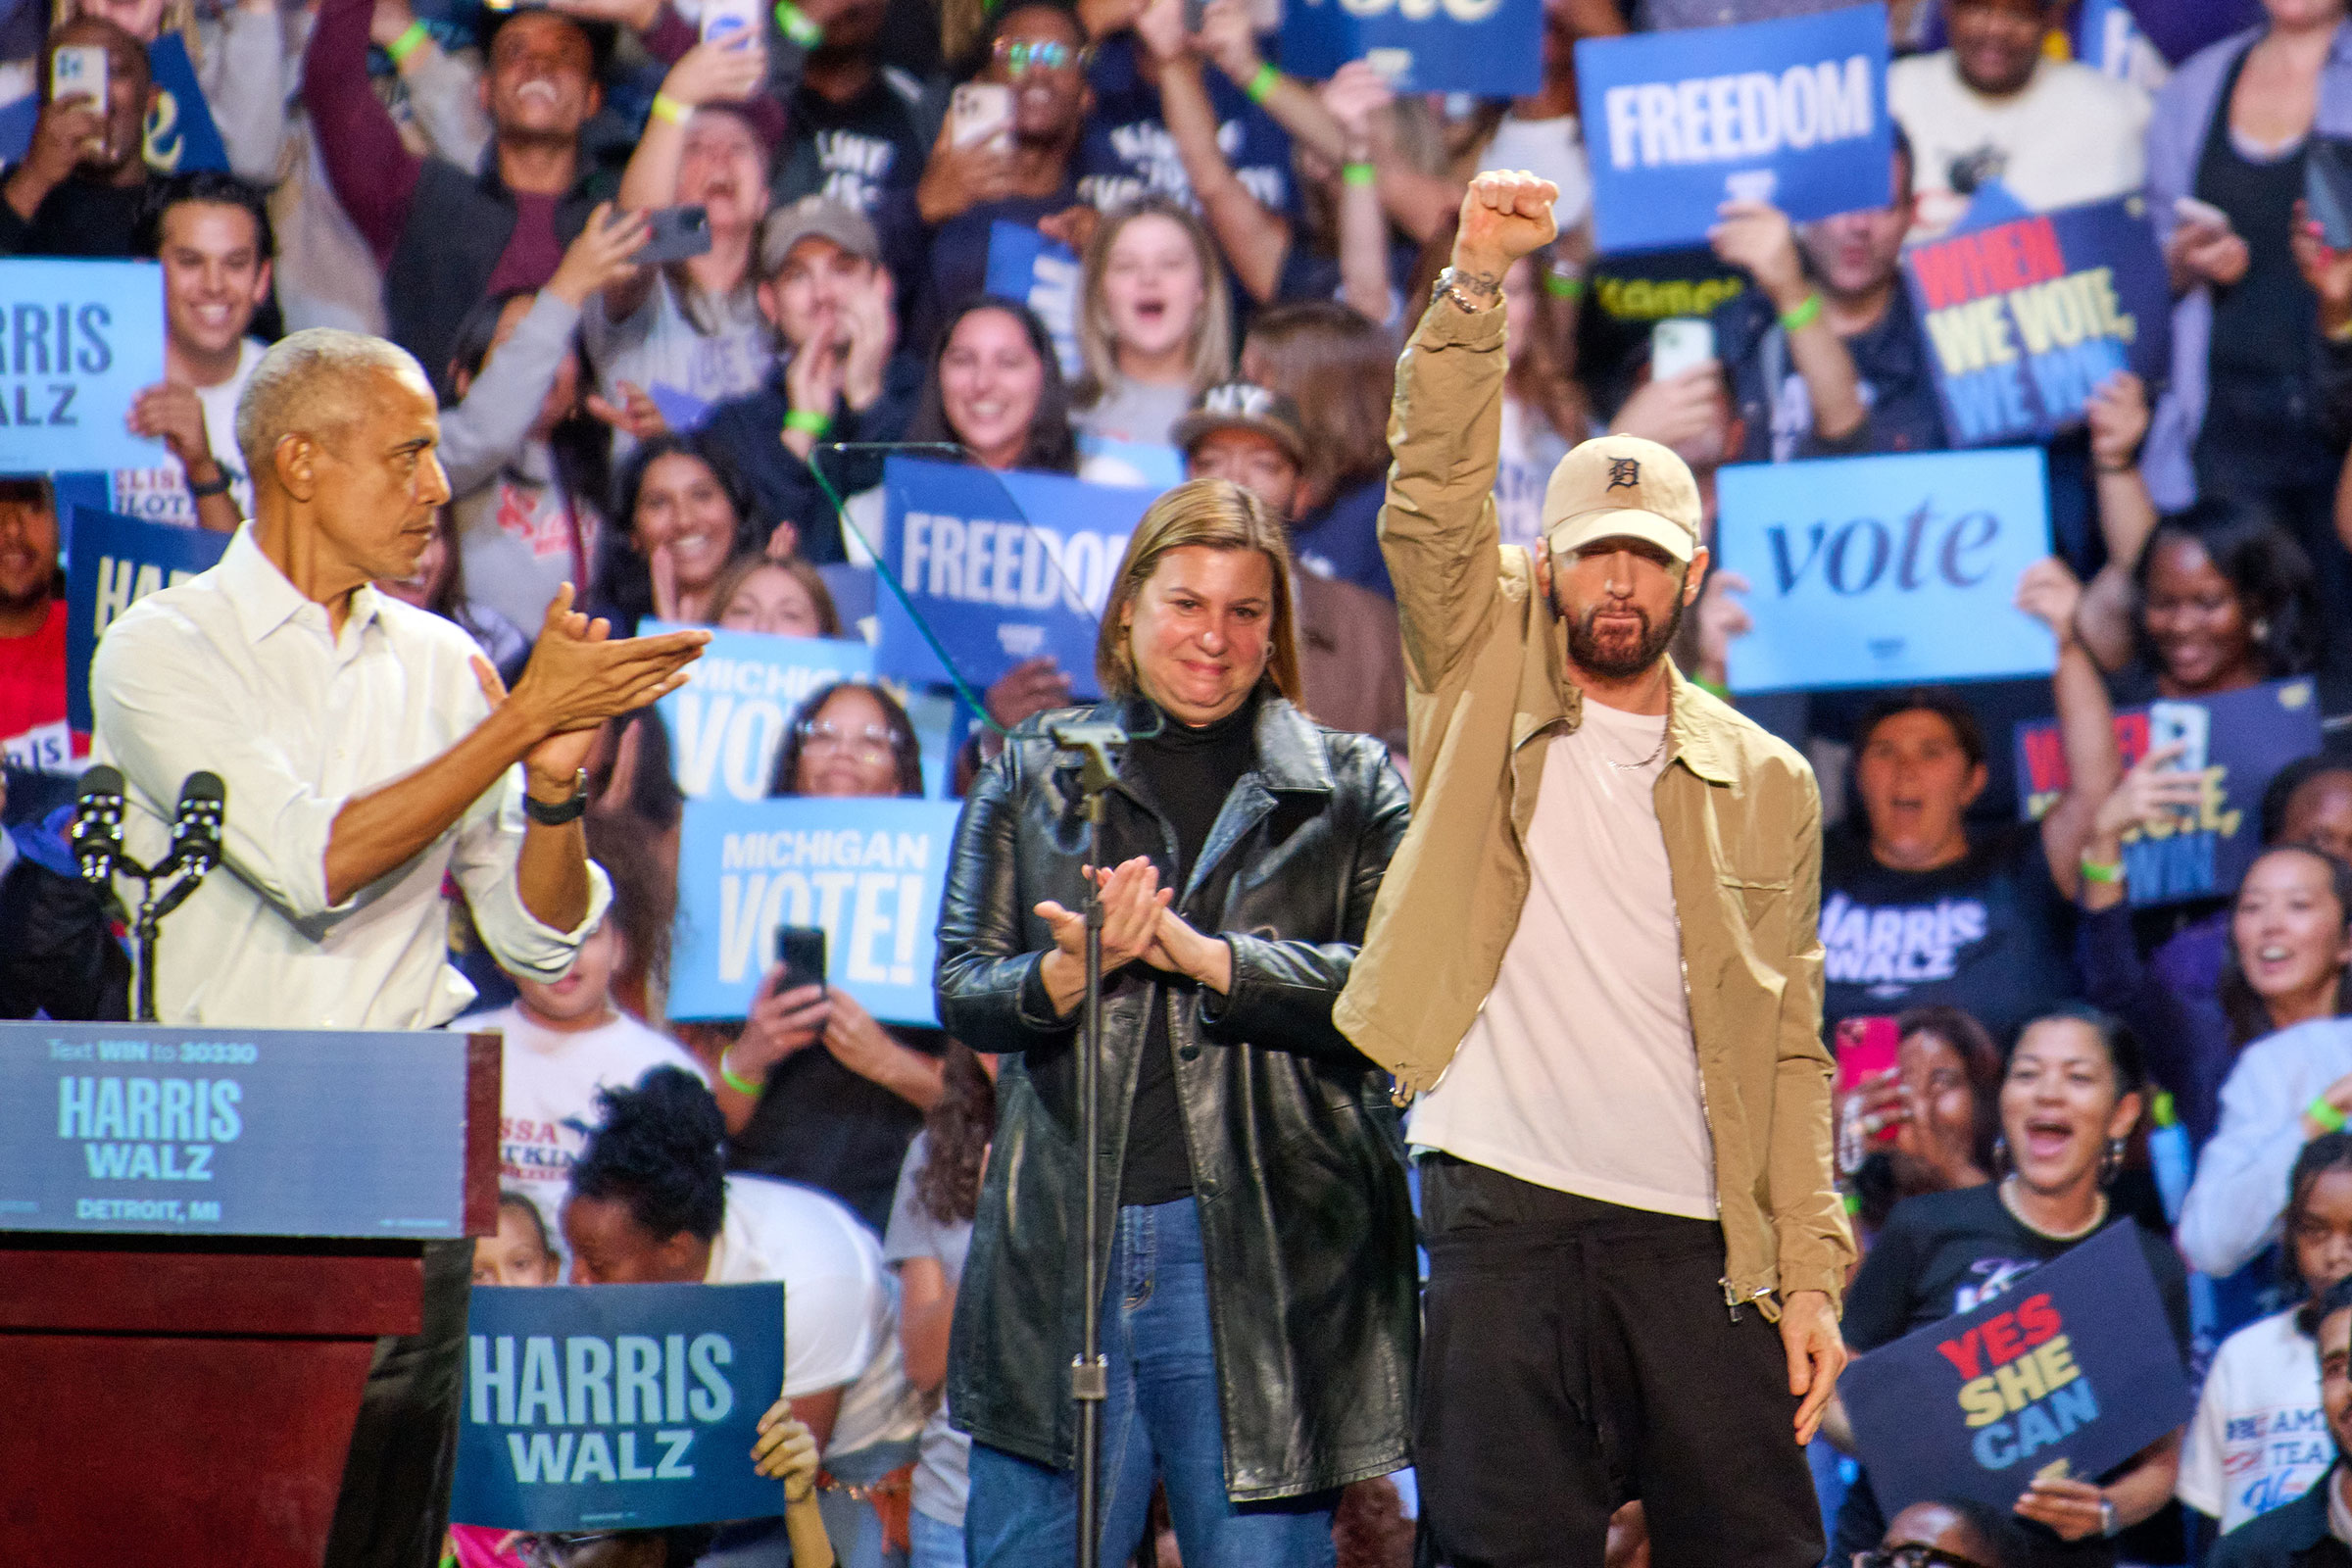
872 743
556 1552
1911 1555
1018 55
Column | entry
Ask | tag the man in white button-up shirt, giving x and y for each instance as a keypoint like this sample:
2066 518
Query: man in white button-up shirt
368 751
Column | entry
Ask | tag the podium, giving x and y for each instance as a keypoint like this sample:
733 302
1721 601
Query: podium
203 1232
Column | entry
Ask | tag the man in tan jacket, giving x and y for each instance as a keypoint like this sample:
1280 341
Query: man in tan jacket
1594 960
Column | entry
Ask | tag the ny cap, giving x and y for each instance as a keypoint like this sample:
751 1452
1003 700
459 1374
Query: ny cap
1622 487
1245 406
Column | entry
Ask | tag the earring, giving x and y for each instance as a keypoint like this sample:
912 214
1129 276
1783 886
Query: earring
2000 1155
2261 627
2112 1164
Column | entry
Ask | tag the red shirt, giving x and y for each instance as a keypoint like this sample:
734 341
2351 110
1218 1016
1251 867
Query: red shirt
32 700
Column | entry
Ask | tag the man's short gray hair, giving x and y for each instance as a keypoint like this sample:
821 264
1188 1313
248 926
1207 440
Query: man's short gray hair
313 383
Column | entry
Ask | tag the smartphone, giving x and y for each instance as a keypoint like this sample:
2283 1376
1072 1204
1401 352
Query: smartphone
79 70
2328 189
726 19
2189 210
801 950
1866 1048
1678 344
981 114
674 234
1194 12
2187 725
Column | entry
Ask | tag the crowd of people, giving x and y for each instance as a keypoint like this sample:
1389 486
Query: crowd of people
1254 252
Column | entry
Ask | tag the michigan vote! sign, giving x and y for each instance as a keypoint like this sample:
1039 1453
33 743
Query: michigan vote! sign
616 1406
2074 1368
2026 317
1890 570
1792 112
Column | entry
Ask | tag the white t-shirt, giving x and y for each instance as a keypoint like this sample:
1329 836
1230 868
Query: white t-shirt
657 345
1527 453
841 1305
2072 135
159 494
547 1102
1580 1073
2260 1437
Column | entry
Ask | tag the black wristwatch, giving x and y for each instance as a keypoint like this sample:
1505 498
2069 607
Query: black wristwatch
217 485
563 812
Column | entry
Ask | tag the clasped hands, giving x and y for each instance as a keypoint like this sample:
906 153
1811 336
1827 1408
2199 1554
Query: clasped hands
1138 923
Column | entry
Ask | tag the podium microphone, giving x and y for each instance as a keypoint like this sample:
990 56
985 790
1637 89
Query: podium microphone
97 832
196 825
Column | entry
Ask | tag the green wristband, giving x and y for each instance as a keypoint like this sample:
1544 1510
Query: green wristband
726 1075
1715 689
1358 175
2104 875
1563 285
807 420
1260 86
2326 1115
410 39
1804 316
798 26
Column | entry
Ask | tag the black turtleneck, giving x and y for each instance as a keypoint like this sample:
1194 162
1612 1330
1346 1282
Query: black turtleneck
1186 773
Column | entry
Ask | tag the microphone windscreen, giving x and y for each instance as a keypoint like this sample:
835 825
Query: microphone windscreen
100 781
203 789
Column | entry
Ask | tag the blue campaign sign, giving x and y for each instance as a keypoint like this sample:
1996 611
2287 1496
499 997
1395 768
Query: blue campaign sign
727 722
180 133
616 1406
1000 567
2237 743
1043 275
110 562
254 1132
870 872
2026 317
1494 48
2073 1366
1875 572
87 338
1792 112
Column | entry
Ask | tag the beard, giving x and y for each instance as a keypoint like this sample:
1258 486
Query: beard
1615 656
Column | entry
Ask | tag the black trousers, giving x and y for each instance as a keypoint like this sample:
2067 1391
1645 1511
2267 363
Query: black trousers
394 1506
1577 1354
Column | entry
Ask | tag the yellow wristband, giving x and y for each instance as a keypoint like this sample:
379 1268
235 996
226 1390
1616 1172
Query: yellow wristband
410 39
667 108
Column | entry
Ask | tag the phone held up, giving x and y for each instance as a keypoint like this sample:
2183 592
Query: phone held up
800 951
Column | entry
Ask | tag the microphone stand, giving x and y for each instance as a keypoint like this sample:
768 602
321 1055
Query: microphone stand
147 923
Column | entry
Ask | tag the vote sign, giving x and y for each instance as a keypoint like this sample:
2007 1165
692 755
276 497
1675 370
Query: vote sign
2073 1367
84 338
616 1406
869 872
2247 737
238 1132
112 561
2026 317
1891 571
727 722
1001 567
1494 48
1792 112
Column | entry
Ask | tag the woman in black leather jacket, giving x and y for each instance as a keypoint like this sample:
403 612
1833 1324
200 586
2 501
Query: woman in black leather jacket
1258 1304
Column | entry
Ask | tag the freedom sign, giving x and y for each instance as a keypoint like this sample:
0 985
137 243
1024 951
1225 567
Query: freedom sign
1889 570
2073 1367
1000 567
1792 112
2237 744
252 1132
1043 275
616 1406
1494 48
85 338
112 561
2026 317
869 872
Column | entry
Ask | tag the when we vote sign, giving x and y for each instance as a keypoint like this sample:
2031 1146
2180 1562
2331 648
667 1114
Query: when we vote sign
616 1406
869 872
1494 48
1792 112
2073 1368
1892 570
83 339
2236 744
2026 317
1001 567
113 562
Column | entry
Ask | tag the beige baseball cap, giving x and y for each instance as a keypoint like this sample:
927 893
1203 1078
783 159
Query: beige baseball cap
1622 487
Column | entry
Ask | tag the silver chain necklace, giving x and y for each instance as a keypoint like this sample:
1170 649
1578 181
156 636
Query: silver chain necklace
1665 729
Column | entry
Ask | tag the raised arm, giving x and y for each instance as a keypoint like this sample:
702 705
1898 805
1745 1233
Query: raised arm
1437 528
444 91
1756 236
1255 238
374 174
2048 591
243 76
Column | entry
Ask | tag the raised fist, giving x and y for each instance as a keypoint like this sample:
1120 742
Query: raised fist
1506 214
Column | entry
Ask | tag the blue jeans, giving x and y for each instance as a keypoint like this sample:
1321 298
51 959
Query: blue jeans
1163 1418
936 1544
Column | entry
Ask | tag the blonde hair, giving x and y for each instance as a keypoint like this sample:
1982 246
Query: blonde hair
1212 333
1213 514
735 573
